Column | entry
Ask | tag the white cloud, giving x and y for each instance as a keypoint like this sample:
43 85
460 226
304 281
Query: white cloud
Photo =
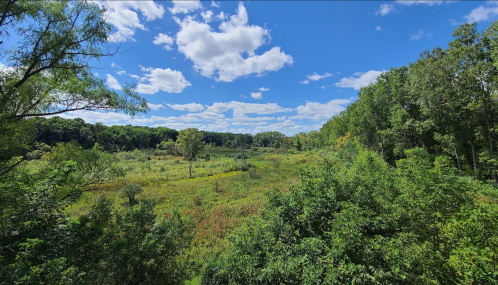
156 79
113 83
378 28
420 34
123 16
241 108
319 111
257 95
220 54
385 9
421 2
121 72
213 4
207 16
244 118
263 89
185 7
323 87
359 79
315 77
288 127
115 65
134 76
482 13
221 16
242 96
191 107
96 117
155 106
252 124
163 39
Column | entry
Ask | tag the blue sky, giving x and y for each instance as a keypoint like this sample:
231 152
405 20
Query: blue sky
255 66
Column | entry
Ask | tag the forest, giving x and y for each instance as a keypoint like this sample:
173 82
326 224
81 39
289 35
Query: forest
399 188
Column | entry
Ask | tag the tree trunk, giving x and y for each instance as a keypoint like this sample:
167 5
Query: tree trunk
458 160
190 170
474 156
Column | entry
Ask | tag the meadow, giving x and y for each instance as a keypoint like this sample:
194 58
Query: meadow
225 190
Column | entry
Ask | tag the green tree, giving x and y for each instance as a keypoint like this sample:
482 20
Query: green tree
49 71
130 191
190 142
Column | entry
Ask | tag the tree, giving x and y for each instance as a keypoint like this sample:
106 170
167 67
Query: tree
190 142
130 191
50 71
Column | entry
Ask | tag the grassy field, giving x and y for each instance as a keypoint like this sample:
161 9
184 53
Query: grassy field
224 191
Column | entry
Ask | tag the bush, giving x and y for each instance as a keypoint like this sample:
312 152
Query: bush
130 191
197 200
368 222
252 173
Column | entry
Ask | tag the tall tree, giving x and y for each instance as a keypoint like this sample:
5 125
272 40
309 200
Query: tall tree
191 144
49 70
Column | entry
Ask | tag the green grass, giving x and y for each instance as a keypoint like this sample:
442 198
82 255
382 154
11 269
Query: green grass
221 195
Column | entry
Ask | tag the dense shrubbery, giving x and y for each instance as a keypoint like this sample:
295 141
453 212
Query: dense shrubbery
39 243
367 223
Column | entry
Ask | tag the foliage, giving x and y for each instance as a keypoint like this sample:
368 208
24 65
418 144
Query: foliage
169 146
130 191
94 167
49 71
39 243
190 143
267 139
444 102
368 224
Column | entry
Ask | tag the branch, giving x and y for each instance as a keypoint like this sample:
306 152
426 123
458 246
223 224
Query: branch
12 166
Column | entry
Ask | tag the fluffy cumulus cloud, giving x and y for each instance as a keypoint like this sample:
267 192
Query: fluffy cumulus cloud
207 16
319 111
263 89
483 13
158 79
184 7
164 40
113 83
385 9
420 34
257 95
359 79
155 106
229 53
123 16
315 77
192 107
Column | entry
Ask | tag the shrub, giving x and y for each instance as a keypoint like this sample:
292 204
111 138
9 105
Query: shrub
197 200
130 191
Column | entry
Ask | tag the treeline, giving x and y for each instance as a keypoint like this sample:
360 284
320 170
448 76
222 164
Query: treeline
51 131
445 102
